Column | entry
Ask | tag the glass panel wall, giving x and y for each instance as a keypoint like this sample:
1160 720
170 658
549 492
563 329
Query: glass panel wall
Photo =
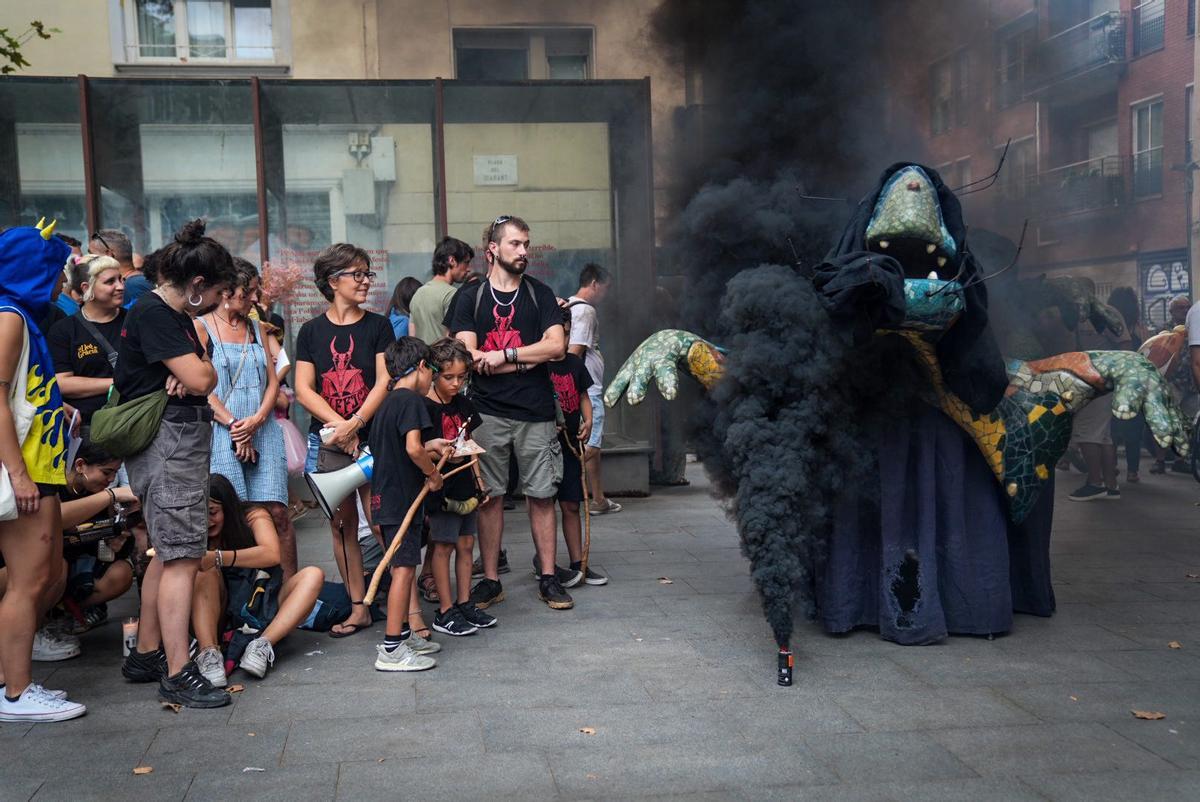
170 151
41 154
572 160
350 163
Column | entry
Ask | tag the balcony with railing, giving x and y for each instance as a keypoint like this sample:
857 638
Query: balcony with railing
1088 186
1082 61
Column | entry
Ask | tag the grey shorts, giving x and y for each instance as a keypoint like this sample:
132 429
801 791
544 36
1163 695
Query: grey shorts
535 444
446 527
1091 424
171 479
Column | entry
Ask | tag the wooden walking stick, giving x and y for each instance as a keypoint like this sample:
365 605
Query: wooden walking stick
408 519
586 507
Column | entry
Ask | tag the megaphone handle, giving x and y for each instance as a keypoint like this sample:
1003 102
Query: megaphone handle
408 518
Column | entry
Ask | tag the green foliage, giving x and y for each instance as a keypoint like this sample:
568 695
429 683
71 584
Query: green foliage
11 58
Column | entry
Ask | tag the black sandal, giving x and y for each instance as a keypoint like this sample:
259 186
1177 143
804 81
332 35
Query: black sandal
354 629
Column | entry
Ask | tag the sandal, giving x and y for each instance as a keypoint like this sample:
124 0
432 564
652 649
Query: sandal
428 588
353 629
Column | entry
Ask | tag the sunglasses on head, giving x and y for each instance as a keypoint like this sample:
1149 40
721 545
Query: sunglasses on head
499 221
95 237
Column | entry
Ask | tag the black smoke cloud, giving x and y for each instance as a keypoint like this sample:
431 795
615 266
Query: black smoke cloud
790 103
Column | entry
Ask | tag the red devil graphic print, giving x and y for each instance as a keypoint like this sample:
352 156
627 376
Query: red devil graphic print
503 335
564 388
342 386
451 423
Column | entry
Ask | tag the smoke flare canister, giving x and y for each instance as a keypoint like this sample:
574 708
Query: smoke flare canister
786 661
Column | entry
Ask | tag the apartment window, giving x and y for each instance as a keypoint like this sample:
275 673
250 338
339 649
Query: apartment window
1020 168
1014 48
948 79
1191 23
1189 126
1148 26
518 54
1147 149
200 30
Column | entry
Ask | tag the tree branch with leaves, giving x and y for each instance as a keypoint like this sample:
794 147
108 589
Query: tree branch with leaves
11 57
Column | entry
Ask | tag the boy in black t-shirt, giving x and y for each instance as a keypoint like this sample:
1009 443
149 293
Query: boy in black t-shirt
571 381
453 521
402 443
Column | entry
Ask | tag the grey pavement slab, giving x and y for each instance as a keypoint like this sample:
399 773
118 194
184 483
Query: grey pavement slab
674 685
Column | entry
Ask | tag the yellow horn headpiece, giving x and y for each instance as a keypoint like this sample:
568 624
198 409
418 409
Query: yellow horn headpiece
40 223
48 231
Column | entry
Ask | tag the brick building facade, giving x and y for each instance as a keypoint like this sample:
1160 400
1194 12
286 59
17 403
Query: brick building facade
1096 96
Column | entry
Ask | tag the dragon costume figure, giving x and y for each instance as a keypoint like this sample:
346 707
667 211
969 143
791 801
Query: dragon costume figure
950 532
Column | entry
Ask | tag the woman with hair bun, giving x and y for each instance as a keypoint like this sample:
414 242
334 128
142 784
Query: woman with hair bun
160 350
83 343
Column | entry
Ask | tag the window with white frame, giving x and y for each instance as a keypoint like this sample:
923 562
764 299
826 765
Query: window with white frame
199 30
1148 149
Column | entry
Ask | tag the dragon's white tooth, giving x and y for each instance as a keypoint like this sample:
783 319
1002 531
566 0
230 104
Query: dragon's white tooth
941 261
930 248
884 243
933 276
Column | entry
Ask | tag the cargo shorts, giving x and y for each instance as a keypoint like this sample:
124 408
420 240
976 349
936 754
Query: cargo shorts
171 479
538 453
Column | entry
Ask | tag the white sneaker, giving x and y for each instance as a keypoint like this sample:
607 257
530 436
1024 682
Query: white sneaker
402 658
35 705
55 694
422 645
211 663
258 657
50 646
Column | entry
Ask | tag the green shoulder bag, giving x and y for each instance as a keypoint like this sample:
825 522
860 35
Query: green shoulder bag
127 429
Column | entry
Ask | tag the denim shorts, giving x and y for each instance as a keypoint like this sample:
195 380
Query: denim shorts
596 394
171 479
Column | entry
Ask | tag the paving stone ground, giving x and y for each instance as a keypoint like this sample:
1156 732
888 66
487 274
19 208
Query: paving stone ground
674 684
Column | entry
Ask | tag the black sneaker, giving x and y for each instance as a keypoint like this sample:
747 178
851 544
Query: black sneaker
503 567
453 623
1089 492
552 593
190 689
476 616
592 578
144 666
567 577
486 593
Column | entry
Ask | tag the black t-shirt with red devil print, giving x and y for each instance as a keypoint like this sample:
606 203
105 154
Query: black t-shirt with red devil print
344 358
509 320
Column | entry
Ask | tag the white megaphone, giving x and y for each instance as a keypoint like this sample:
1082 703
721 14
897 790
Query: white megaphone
331 487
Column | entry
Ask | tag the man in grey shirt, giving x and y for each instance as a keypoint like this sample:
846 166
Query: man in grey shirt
430 303
594 282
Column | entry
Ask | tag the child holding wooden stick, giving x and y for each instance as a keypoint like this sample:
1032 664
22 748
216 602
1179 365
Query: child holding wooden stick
404 451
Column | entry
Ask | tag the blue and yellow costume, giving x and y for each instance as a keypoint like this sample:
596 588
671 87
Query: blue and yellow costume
31 260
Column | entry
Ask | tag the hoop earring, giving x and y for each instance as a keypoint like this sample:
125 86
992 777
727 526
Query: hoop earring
199 300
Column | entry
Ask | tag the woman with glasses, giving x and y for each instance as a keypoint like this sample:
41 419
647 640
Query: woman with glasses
341 380
84 345
247 445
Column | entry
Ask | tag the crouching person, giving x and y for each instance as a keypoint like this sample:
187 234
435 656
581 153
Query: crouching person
240 580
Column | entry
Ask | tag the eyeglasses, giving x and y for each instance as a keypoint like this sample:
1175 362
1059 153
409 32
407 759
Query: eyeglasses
499 221
359 276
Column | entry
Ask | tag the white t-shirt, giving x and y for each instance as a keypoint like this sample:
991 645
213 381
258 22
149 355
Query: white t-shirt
1193 325
585 331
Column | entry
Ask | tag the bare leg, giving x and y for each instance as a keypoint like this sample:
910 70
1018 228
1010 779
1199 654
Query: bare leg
398 601
27 546
463 557
348 555
207 606
572 529
595 481
149 636
296 600
287 539
175 610
544 526
415 619
441 573
491 532
116 580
